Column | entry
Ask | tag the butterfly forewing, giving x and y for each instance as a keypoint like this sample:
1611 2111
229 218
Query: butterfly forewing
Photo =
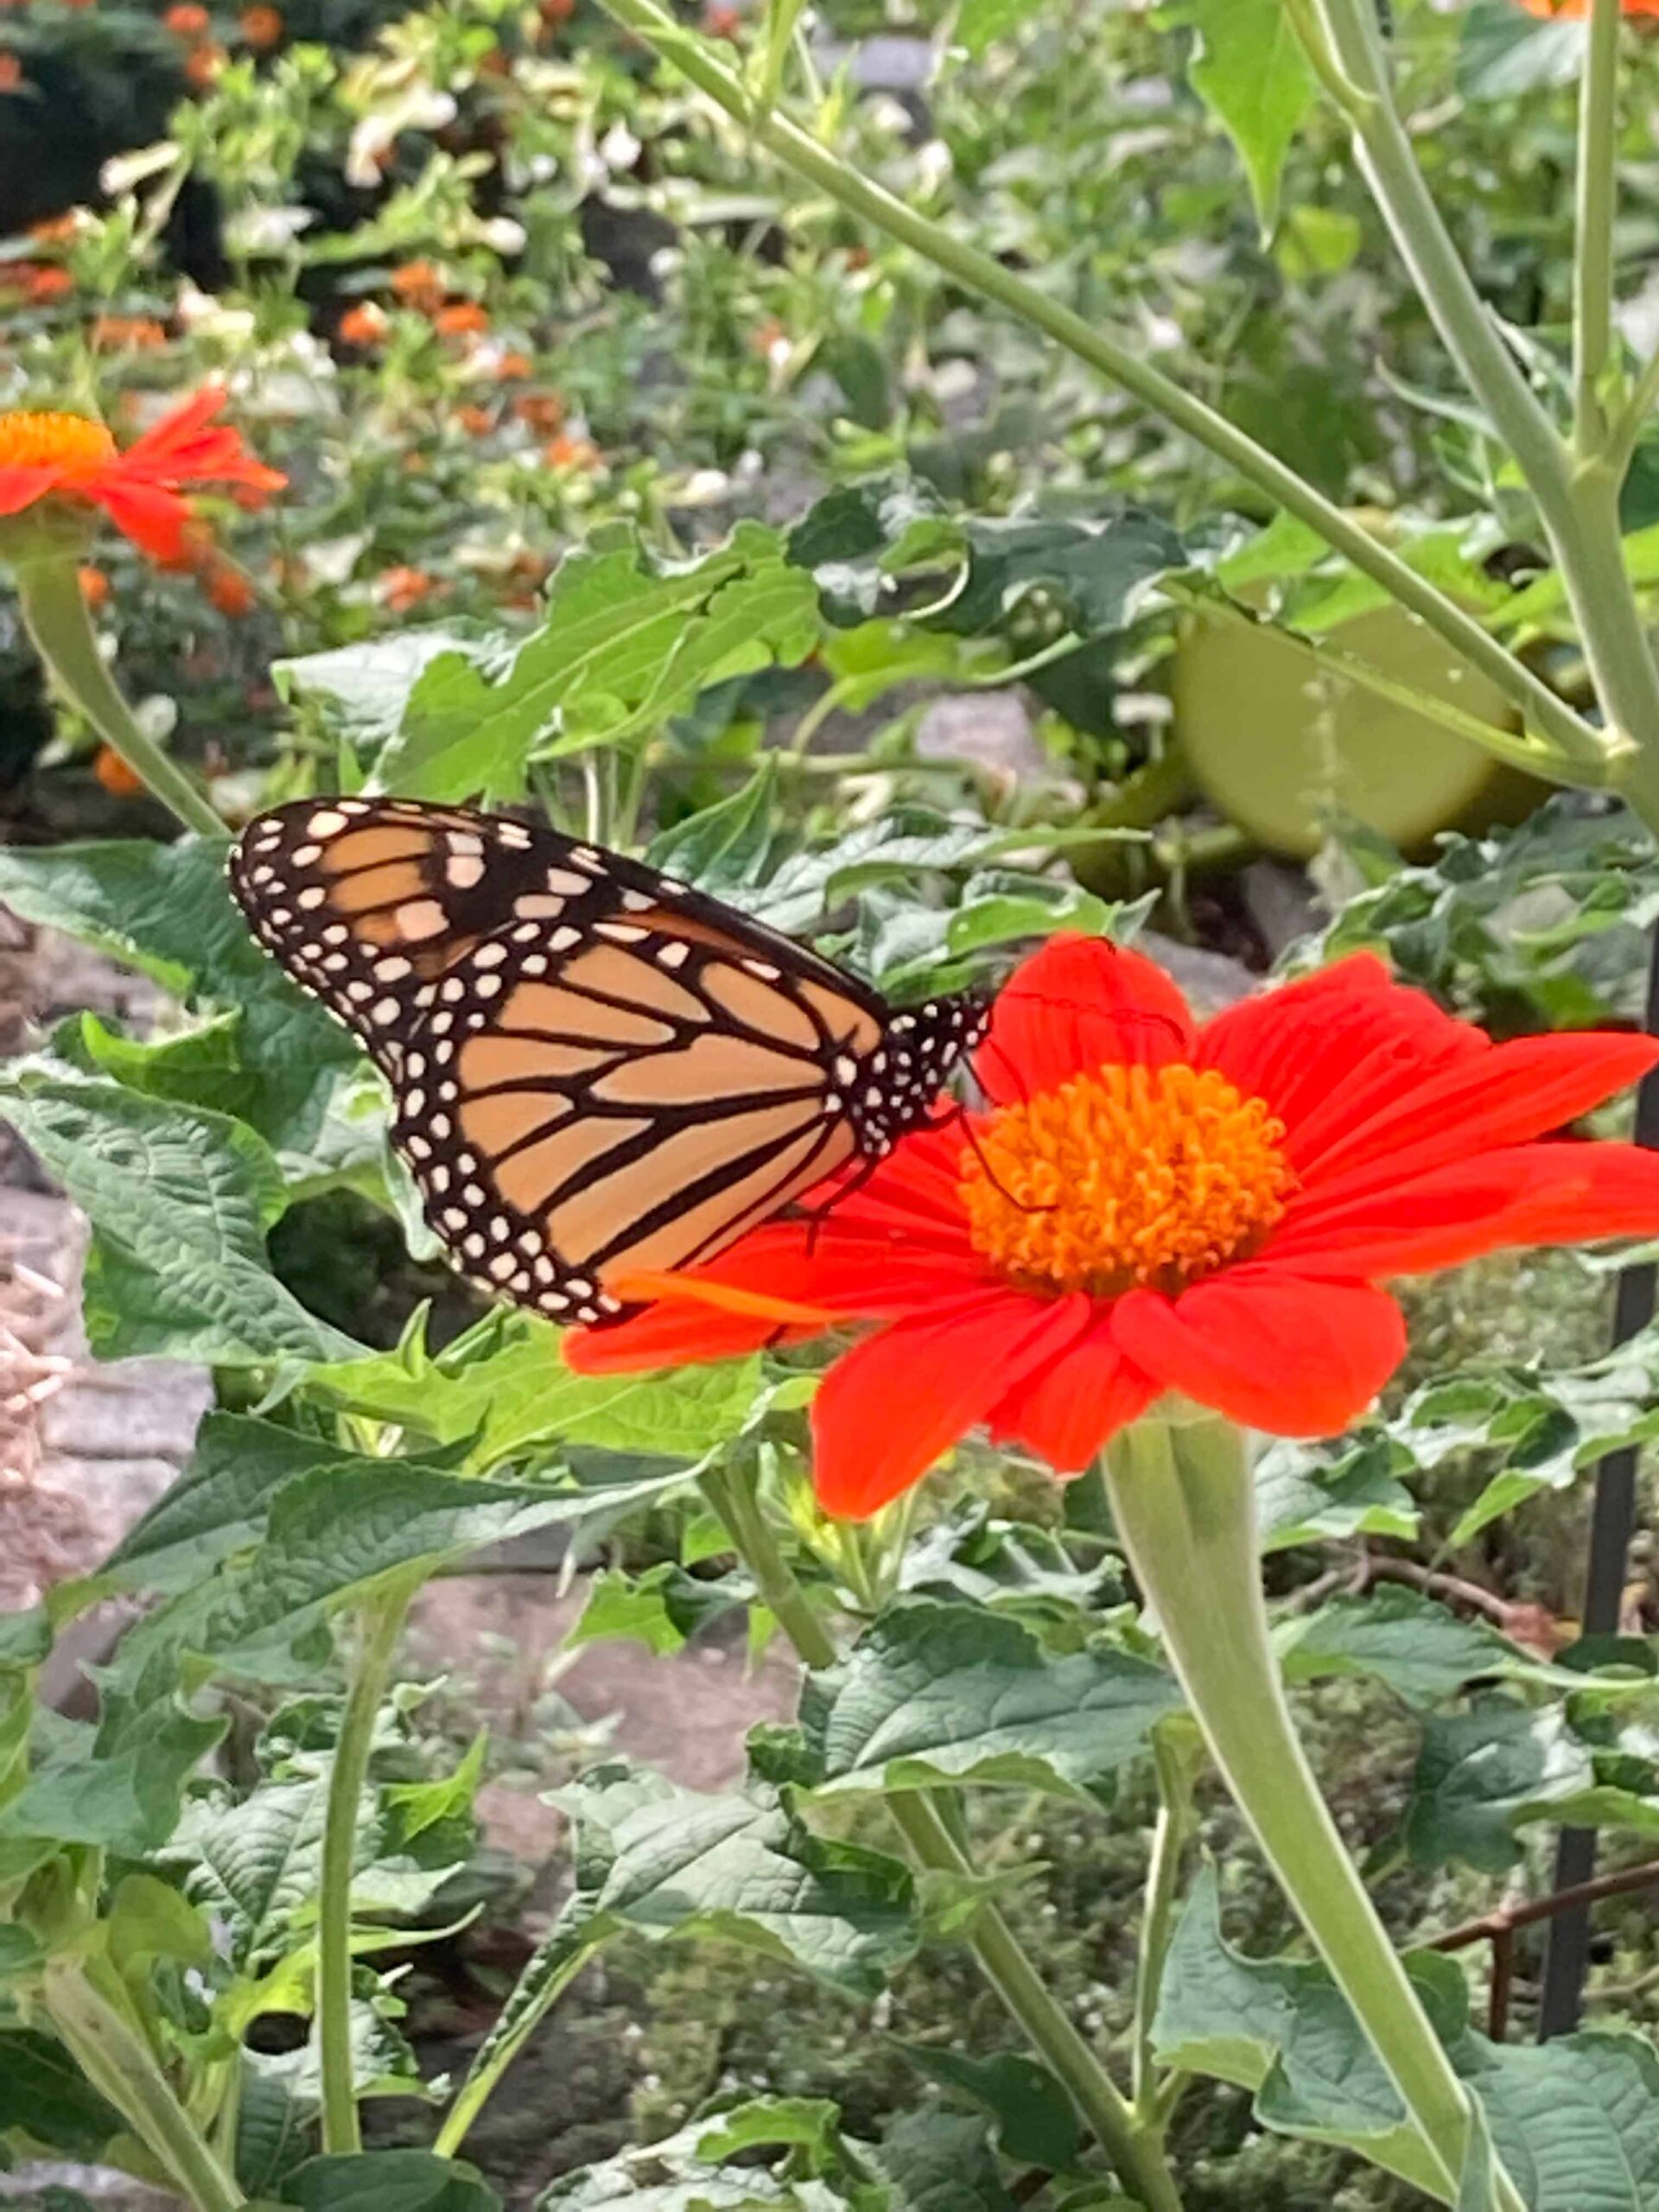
597 1070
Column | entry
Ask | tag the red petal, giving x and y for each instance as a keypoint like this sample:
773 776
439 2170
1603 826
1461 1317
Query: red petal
1329 1051
152 518
1066 1411
915 1192
1081 1003
885 1412
1532 1194
669 1335
1505 1096
20 486
1267 1348
162 441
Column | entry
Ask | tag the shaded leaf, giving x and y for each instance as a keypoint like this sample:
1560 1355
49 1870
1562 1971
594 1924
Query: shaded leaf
1248 68
937 1692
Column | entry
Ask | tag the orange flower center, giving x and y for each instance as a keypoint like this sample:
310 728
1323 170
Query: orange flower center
69 442
1131 1175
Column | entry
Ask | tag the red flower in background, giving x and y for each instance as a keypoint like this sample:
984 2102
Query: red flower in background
1571 7
69 458
1158 1206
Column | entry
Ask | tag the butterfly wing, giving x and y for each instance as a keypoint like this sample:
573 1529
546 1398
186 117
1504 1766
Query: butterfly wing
596 1069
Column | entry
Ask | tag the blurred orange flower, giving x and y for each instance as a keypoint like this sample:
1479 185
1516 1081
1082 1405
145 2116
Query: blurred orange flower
515 365
402 588
203 64
566 452
141 332
94 585
722 21
186 20
68 460
1569 7
465 319
112 772
11 72
477 422
230 590
418 285
363 325
543 411
262 28
56 230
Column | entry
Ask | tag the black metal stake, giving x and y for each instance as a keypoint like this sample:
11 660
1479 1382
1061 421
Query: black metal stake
1612 1525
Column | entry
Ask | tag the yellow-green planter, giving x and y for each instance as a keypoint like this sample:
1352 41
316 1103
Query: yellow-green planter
1281 748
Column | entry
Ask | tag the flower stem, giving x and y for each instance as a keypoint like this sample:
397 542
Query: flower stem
1594 408
1135 2148
1569 746
381 1621
1170 1836
1184 1500
116 2058
55 614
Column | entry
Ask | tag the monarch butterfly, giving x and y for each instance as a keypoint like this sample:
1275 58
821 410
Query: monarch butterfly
597 1070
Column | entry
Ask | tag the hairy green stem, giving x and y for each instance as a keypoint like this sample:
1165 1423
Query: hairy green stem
1169 1840
1182 1498
1577 494
381 1620
1592 267
116 2058
55 614
1135 2148
1572 741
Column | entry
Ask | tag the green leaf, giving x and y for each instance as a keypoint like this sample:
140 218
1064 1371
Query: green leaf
668 1863
1505 54
1096 572
1483 1773
1037 2123
941 2162
622 649
503 1386
179 1200
1305 1495
663 1608
165 910
218 1505
858 536
25 1639
1407 1640
389 2181
981 23
119 1785
45 2099
725 844
576 1934
935 1691
1249 69
327 1539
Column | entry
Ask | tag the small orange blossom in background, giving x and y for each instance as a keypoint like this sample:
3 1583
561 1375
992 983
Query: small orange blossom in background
363 325
1151 1207
262 28
1570 8
94 586
403 588
186 20
465 318
116 777
70 461
418 285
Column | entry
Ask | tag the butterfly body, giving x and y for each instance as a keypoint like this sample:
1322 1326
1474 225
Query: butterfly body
598 1071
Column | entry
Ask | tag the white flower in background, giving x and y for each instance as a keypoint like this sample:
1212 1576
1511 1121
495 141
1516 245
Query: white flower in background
618 148
266 230
417 107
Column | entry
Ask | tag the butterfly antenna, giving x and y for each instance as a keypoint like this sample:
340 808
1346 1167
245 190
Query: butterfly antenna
991 1175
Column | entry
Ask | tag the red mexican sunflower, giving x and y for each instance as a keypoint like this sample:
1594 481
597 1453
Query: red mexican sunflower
1154 1206
73 460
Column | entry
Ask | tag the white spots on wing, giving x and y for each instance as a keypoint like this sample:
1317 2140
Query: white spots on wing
674 953
565 883
764 970
502 1265
305 856
383 1011
486 987
313 895
534 964
562 939
625 933
514 836
464 872
489 956
328 824
391 969
846 1068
